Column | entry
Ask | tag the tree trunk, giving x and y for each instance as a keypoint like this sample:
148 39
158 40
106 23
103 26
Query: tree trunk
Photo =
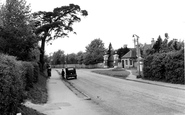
42 50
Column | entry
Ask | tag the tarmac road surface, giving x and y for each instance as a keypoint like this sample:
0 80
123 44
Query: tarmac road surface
123 97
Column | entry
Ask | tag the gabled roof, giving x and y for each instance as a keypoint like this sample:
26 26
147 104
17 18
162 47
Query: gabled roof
130 54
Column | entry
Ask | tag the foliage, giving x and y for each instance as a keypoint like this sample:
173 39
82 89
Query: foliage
58 22
94 52
174 67
58 57
110 53
164 46
122 51
38 94
16 31
29 74
79 57
34 54
168 67
36 71
72 58
11 83
157 45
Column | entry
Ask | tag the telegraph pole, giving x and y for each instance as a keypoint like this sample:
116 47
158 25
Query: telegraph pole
138 53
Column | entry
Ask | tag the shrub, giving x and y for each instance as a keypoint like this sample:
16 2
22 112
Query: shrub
175 67
147 69
29 74
168 67
35 71
11 85
158 67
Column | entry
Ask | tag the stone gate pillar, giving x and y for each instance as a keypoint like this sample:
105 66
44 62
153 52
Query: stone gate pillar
116 60
105 57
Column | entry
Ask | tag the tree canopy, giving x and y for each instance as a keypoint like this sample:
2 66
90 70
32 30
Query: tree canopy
122 51
16 31
56 24
58 57
94 52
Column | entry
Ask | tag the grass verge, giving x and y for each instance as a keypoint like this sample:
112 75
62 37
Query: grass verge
28 111
119 73
38 94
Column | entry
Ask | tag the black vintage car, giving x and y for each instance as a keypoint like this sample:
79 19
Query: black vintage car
71 73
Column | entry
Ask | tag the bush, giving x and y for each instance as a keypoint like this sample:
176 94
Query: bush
158 67
147 69
36 71
175 67
11 84
168 67
29 75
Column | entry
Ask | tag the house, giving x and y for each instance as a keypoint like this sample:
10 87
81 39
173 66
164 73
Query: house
129 59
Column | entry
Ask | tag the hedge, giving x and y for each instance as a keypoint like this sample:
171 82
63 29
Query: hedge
16 78
11 85
175 67
168 67
29 75
36 71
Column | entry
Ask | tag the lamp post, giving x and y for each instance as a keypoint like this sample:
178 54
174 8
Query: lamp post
138 53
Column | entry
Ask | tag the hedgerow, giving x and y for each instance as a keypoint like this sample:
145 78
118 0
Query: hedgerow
168 67
11 85
29 74
36 71
17 82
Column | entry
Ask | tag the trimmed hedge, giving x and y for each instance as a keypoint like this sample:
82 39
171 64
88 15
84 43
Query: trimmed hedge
16 79
29 75
168 67
174 67
36 71
11 85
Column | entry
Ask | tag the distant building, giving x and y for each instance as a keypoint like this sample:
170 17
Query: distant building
129 59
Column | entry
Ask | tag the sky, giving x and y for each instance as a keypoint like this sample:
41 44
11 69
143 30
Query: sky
115 22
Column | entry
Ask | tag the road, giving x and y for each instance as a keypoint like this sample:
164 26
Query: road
122 97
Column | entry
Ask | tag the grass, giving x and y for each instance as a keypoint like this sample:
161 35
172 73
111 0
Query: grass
28 111
118 72
37 95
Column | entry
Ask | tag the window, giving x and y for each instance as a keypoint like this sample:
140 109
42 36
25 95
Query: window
130 62
126 62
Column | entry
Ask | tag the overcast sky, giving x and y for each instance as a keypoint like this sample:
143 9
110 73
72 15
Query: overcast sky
116 21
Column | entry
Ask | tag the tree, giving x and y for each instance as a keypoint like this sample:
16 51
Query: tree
57 22
72 58
110 53
122 51
79 57
157 45
58 57
16 29
94 52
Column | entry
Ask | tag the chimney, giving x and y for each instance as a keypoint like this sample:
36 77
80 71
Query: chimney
125 45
